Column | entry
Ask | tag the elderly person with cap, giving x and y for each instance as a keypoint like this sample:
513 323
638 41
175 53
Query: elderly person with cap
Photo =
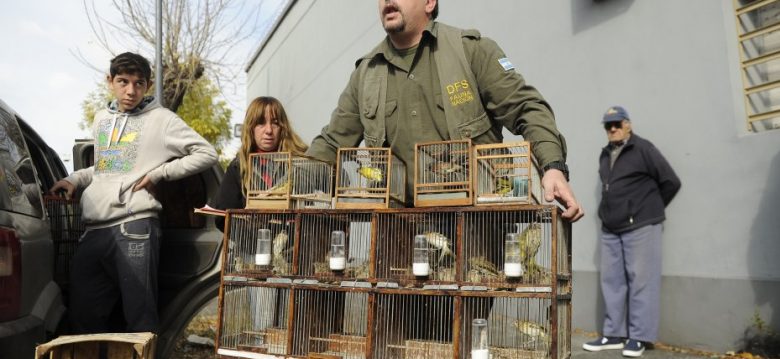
637 185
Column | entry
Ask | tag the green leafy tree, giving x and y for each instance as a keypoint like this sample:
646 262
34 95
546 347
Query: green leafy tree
200 109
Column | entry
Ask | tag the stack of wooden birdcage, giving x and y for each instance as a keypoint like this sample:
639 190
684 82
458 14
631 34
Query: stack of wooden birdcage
488 281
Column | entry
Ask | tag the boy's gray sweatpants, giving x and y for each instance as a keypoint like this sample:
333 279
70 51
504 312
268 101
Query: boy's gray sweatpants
112 263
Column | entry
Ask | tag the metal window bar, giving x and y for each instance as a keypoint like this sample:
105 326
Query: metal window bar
758 30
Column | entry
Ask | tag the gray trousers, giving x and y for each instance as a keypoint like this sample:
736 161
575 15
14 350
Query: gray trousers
114 263
631 282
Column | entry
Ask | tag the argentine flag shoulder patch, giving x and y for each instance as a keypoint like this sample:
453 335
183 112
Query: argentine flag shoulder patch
506 64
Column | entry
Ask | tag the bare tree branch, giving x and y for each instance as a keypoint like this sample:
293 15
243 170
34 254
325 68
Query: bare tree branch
198 37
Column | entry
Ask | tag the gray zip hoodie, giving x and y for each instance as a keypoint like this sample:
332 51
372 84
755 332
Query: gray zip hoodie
128 146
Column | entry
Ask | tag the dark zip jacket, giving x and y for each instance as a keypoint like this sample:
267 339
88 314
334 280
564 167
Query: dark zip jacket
635 192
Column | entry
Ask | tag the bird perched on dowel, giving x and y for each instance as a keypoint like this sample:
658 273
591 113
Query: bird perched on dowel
440 242
538 334
530 241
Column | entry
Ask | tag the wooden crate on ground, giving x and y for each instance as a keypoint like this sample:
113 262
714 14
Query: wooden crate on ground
90 346
369 178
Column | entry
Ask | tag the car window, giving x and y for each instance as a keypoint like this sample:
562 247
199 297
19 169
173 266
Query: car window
19 190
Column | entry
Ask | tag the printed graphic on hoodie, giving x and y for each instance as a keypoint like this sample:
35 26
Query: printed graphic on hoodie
117 144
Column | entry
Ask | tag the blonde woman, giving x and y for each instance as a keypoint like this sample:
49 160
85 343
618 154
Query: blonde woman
266 129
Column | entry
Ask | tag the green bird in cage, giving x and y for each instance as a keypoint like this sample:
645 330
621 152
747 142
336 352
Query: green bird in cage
372 174
530 241
537 333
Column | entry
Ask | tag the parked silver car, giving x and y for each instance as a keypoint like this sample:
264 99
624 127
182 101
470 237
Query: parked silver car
39 234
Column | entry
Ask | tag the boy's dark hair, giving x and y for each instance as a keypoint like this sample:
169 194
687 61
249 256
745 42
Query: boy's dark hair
435 12
130 63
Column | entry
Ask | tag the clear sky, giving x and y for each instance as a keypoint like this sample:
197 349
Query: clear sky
45 82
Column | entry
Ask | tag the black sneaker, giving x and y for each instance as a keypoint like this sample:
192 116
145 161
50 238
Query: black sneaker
603 343
633 348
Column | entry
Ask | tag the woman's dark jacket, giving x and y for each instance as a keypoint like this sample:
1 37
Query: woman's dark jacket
636 190
229 195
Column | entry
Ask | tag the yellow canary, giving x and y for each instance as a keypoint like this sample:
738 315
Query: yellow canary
371 173
503 186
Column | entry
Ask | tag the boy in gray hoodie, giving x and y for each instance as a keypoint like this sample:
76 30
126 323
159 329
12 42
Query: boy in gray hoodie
137 144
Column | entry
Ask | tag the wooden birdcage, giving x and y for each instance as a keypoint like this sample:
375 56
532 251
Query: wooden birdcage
271 186
312 184
519 327
442 175
411 325
541 248
244 257
506 173
395 247
330 322
254 319
369 178
351 261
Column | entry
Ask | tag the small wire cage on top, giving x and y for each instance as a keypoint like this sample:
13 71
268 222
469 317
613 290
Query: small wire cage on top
369 178
442 175
506 173
281 180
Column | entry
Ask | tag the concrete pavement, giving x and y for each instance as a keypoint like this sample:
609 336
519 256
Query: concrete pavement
577 339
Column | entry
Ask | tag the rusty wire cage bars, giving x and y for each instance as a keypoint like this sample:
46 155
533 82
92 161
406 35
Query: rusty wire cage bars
395 234
412 324
66 229
506 173
254 318
369 178
442 175
520 327
316 261
544 247
242 243
330 322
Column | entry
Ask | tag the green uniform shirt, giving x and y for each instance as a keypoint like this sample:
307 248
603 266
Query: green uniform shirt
414 112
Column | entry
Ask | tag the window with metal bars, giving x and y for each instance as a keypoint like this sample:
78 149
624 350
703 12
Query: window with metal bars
758 30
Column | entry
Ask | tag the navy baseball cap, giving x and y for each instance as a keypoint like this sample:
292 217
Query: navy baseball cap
615 114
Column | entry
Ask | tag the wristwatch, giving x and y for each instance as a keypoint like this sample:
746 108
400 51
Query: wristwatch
557 165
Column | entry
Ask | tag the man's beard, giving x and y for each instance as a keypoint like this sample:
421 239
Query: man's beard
399 27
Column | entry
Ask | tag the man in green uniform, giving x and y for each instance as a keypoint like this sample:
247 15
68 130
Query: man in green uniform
428 81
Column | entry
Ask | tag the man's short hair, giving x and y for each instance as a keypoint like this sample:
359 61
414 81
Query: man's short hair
130 63
435 12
